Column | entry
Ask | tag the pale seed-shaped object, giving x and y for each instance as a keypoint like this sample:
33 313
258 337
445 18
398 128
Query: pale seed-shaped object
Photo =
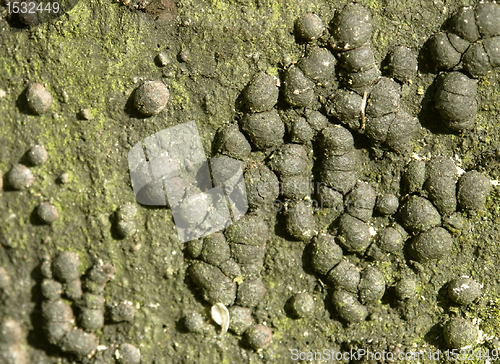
220 315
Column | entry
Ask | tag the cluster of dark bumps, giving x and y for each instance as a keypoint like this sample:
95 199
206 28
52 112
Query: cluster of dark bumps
295 141
62 278
228 270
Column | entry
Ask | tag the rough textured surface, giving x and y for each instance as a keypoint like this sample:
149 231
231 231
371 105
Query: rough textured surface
231 142
37 155
38 98
261 94
405 288
442 51
434 243
456 100
262 186
387 204
51 289
264 130
302 305
418 214
403 64
309 26
390 240
47 212
229 42
79 343
354 234
463 290
128 354
241 319
250 293
250 230
325 253
20 177
122 312
297 88
348 307
194 322
371 285
66 266
290 160
361 201
259 336
459 333
352 26
318 65
151 97
345 106
301 131
344 276
473 189
300 223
